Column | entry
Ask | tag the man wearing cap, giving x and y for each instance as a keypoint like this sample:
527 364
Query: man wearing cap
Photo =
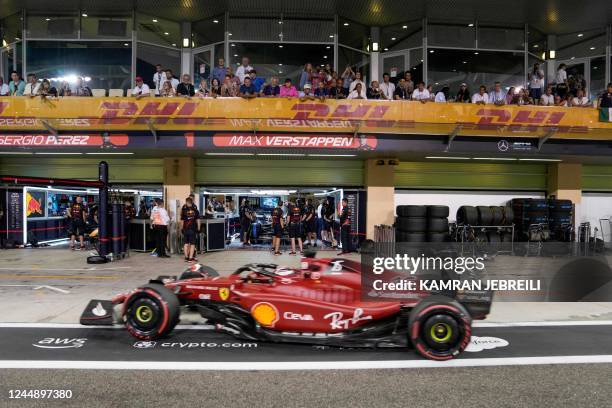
463 96
141 89
307 93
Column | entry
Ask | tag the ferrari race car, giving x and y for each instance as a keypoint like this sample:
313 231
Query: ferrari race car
320 303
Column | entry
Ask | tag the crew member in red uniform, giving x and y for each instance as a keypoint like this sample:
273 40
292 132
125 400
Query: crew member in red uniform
76 215
345 228
277 226
189 219
310 225
295 226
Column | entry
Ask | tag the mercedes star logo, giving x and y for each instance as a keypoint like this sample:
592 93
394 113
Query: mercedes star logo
145 344
503 145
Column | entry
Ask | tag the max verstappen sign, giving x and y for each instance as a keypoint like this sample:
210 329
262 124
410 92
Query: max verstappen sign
296 141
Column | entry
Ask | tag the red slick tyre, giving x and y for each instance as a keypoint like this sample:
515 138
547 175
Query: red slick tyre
439 327
151 312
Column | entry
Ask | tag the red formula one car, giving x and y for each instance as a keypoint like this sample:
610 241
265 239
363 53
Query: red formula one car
320 303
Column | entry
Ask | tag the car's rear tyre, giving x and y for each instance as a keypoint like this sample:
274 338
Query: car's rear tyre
439 328
151 312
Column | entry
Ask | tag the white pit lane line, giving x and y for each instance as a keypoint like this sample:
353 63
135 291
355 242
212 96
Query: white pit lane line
303 365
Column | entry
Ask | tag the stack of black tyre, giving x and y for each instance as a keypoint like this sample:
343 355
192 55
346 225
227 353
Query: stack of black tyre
420 223
527 212
487 216
561 219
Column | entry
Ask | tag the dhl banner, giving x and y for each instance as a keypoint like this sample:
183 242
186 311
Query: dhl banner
292 116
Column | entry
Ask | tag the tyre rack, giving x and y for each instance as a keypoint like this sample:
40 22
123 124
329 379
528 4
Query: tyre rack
461 230
384 236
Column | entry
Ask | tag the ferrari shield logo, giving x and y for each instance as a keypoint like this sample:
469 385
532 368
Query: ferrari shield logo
224 293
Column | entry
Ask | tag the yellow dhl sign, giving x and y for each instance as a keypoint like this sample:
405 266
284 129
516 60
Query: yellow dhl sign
293 115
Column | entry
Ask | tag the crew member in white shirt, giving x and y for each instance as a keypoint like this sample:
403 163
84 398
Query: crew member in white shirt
387 87
243 70
159 77
481 97
548 99
580 100
159 222
421 94
141 89
536 83
31 88
561 81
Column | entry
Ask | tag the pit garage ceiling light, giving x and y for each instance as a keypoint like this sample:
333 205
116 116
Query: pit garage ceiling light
374 47
229 154
332 155
281 154
59 153
495 158
15 153
447 158
185 42
110 153
542 160
552 54
273 192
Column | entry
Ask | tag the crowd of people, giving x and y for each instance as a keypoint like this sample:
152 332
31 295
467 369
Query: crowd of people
326 83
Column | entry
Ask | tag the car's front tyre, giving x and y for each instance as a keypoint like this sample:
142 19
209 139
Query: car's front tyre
151 312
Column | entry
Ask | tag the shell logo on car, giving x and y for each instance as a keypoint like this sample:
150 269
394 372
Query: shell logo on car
265 314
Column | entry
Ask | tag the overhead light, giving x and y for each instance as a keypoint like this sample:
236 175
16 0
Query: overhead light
62 153
332 155
346 24
544 55
536 46
126 44
476 53
447 158
495 158
393 38
166 33
592 48
235 55
542 160
229 154
331 36
16 153
84 15
281 154
573 58
325 56
386 49
174 44
431 51
109 153
47 19
374 47
280 65
273 192
465 62
216 21
154 20
580 35
552 54
280 22
404 27
328 47
280 46
471 25
185 42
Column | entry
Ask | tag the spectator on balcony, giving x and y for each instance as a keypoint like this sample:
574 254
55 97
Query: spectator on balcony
561 81
305 76
443 94
409 82
220 71
307 93
170 77
215 87
141 90
288 90
568 99
202 90
536 83
401 91
432 94
247 90
64 89
356 81
481 97
358 92
605 100
32 86
463 96
338 91
16 85
523 98
80 89
256 81
243 70
374 91
581 100
387 87
272 89
321 91
159 77
185 88
347 78
559 101
511 96
421 94
548 99
497 97
228 89
45 90
316 77
4 88
167 91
